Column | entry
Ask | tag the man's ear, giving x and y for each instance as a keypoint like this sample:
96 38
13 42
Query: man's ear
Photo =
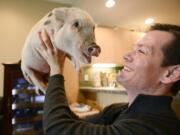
171 75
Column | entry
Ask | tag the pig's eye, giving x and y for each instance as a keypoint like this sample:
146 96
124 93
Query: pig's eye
76 24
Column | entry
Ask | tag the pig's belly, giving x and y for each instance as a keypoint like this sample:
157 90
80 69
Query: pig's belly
32 59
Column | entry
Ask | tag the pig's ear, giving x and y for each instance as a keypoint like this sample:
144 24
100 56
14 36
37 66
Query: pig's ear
59 14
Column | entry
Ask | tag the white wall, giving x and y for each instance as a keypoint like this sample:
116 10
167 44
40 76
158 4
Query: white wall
17 18
114 43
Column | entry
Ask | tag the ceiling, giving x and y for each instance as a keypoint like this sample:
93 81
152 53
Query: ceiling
129 13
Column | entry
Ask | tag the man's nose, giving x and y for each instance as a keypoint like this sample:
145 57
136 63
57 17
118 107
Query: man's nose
128 56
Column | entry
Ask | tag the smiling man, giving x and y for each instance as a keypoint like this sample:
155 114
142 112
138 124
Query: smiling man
153 66
151 76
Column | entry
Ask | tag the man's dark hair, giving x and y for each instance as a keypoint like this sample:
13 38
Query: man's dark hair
172 51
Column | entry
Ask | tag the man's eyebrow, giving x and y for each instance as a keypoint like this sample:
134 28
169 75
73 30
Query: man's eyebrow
138 45
150 48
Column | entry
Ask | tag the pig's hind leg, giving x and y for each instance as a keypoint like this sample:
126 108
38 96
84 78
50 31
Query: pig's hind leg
36 78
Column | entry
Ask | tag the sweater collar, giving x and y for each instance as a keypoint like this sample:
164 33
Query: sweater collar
150 104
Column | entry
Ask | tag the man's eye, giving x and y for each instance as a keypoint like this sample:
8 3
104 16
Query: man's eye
141 51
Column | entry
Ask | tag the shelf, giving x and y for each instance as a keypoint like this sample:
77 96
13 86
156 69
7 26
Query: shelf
24 91
26 105
27 119
28 132
120 90
24 99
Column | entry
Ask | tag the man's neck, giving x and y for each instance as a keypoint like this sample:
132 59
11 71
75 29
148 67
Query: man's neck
131 98
132 94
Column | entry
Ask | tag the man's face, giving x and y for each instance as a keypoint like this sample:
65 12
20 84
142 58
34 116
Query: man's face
142 66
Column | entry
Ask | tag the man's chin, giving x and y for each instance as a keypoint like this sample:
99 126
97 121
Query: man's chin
121 78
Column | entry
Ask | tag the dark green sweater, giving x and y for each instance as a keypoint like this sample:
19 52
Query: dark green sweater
147 115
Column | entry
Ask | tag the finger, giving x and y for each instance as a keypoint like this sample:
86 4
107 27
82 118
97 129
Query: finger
61 52
41 51
62 55
47 40
42 46
51 33
55 50
52 36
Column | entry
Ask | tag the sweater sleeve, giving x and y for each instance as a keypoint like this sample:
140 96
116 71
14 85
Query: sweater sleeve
58 119
108 115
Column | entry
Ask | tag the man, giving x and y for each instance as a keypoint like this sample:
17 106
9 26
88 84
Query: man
151 76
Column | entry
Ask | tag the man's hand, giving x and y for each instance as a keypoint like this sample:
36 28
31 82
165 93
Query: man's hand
54 57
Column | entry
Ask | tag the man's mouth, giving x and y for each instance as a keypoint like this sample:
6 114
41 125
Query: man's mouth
126 68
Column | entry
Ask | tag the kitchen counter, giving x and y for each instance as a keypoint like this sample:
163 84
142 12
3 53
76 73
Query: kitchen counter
119 90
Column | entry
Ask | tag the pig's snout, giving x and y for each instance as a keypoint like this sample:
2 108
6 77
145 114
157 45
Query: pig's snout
94 50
